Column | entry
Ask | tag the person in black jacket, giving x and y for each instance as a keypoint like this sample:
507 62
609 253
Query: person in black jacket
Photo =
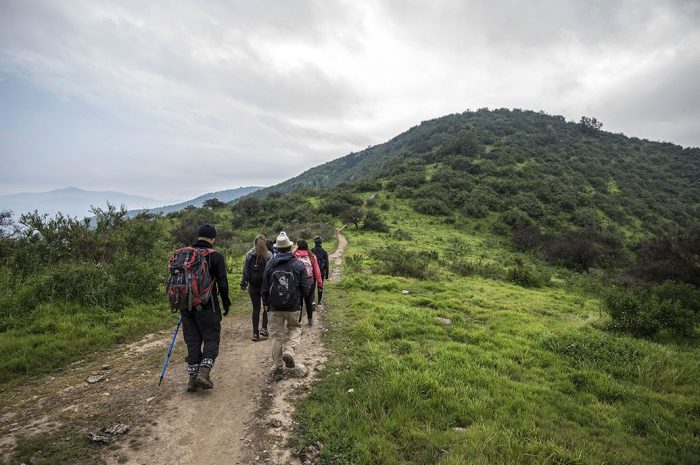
201 328
252 277
322 257
285 284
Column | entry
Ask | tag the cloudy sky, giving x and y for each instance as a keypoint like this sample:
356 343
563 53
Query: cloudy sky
174 99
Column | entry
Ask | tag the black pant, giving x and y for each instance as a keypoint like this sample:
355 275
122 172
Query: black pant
202 328
256 299
309 300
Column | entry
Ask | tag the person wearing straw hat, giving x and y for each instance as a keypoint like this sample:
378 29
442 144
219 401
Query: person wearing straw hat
285 284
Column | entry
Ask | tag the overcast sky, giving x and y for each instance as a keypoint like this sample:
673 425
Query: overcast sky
174 99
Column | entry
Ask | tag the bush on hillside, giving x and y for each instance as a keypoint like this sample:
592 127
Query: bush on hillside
526 276
374 222
398 261
431 206
645 310
571 250
467 267
674 256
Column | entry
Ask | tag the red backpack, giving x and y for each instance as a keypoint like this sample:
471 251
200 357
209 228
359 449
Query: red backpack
190 284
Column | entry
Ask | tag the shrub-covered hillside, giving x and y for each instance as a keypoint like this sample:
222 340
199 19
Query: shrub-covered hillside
581 196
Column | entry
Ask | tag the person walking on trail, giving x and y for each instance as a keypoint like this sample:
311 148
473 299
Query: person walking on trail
313 272
285 284
253 270
201 327
323 262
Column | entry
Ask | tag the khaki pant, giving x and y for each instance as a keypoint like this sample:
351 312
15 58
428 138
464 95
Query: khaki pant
284 340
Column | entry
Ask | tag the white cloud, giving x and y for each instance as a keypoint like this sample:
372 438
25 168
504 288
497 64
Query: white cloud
257 92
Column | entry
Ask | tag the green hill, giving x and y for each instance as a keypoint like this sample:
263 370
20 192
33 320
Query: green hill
538 178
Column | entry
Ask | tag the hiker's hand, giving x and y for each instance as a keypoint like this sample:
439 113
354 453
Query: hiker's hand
243 287
226 309
267 308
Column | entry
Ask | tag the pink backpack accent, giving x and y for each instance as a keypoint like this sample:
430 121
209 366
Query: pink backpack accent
307 264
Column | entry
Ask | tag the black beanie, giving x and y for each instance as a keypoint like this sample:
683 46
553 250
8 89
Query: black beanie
206 230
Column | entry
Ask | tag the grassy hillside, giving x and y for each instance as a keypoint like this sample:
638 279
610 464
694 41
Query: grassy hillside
526 373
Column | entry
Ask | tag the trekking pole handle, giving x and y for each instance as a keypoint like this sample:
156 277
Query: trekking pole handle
170 351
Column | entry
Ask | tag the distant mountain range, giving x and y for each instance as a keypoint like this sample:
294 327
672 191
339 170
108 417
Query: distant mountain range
70 201
228 195
76 202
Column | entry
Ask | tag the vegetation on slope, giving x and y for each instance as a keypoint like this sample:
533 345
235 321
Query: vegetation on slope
525 373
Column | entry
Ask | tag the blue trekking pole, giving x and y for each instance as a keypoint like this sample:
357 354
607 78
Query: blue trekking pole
170 351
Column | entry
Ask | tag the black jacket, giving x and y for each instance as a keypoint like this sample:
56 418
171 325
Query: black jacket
322 257
217 271
300 275
247 263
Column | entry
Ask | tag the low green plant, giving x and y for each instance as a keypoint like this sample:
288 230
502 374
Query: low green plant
644 310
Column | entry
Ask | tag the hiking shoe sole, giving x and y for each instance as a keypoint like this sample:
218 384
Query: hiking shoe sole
288 360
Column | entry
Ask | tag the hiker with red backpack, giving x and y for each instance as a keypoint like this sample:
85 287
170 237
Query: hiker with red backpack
197 279
252 279
313 272
285 285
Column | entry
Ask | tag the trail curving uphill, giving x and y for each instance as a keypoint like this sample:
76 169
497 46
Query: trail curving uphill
246 418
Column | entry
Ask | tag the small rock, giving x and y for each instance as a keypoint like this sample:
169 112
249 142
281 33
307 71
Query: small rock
116 428
444 321
95 378
275 423
405 292
106 367
320 367
98 439
350 391
458 429
150 399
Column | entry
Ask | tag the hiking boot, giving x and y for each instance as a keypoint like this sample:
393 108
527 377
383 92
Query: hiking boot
288 360
311 321
192 383
264 333
255 338
203 381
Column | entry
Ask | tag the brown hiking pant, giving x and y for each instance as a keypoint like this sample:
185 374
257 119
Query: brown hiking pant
285 332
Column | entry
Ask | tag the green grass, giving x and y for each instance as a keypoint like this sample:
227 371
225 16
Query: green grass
56 334
522 376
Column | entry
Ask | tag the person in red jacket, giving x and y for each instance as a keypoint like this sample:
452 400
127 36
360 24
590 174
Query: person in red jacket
310 262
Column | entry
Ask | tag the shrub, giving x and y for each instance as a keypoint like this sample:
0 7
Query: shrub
397 261
571 250
401 235
673 256
646 310
431 206
466 267
527 238
526 276
353 263
374 222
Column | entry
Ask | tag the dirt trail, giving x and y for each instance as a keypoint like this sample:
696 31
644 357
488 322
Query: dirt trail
246 418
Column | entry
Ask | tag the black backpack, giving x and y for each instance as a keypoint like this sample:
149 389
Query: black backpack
256 271
284 287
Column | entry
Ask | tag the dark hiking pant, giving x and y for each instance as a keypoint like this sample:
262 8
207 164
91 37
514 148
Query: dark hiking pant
256 299
309 301
201 330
